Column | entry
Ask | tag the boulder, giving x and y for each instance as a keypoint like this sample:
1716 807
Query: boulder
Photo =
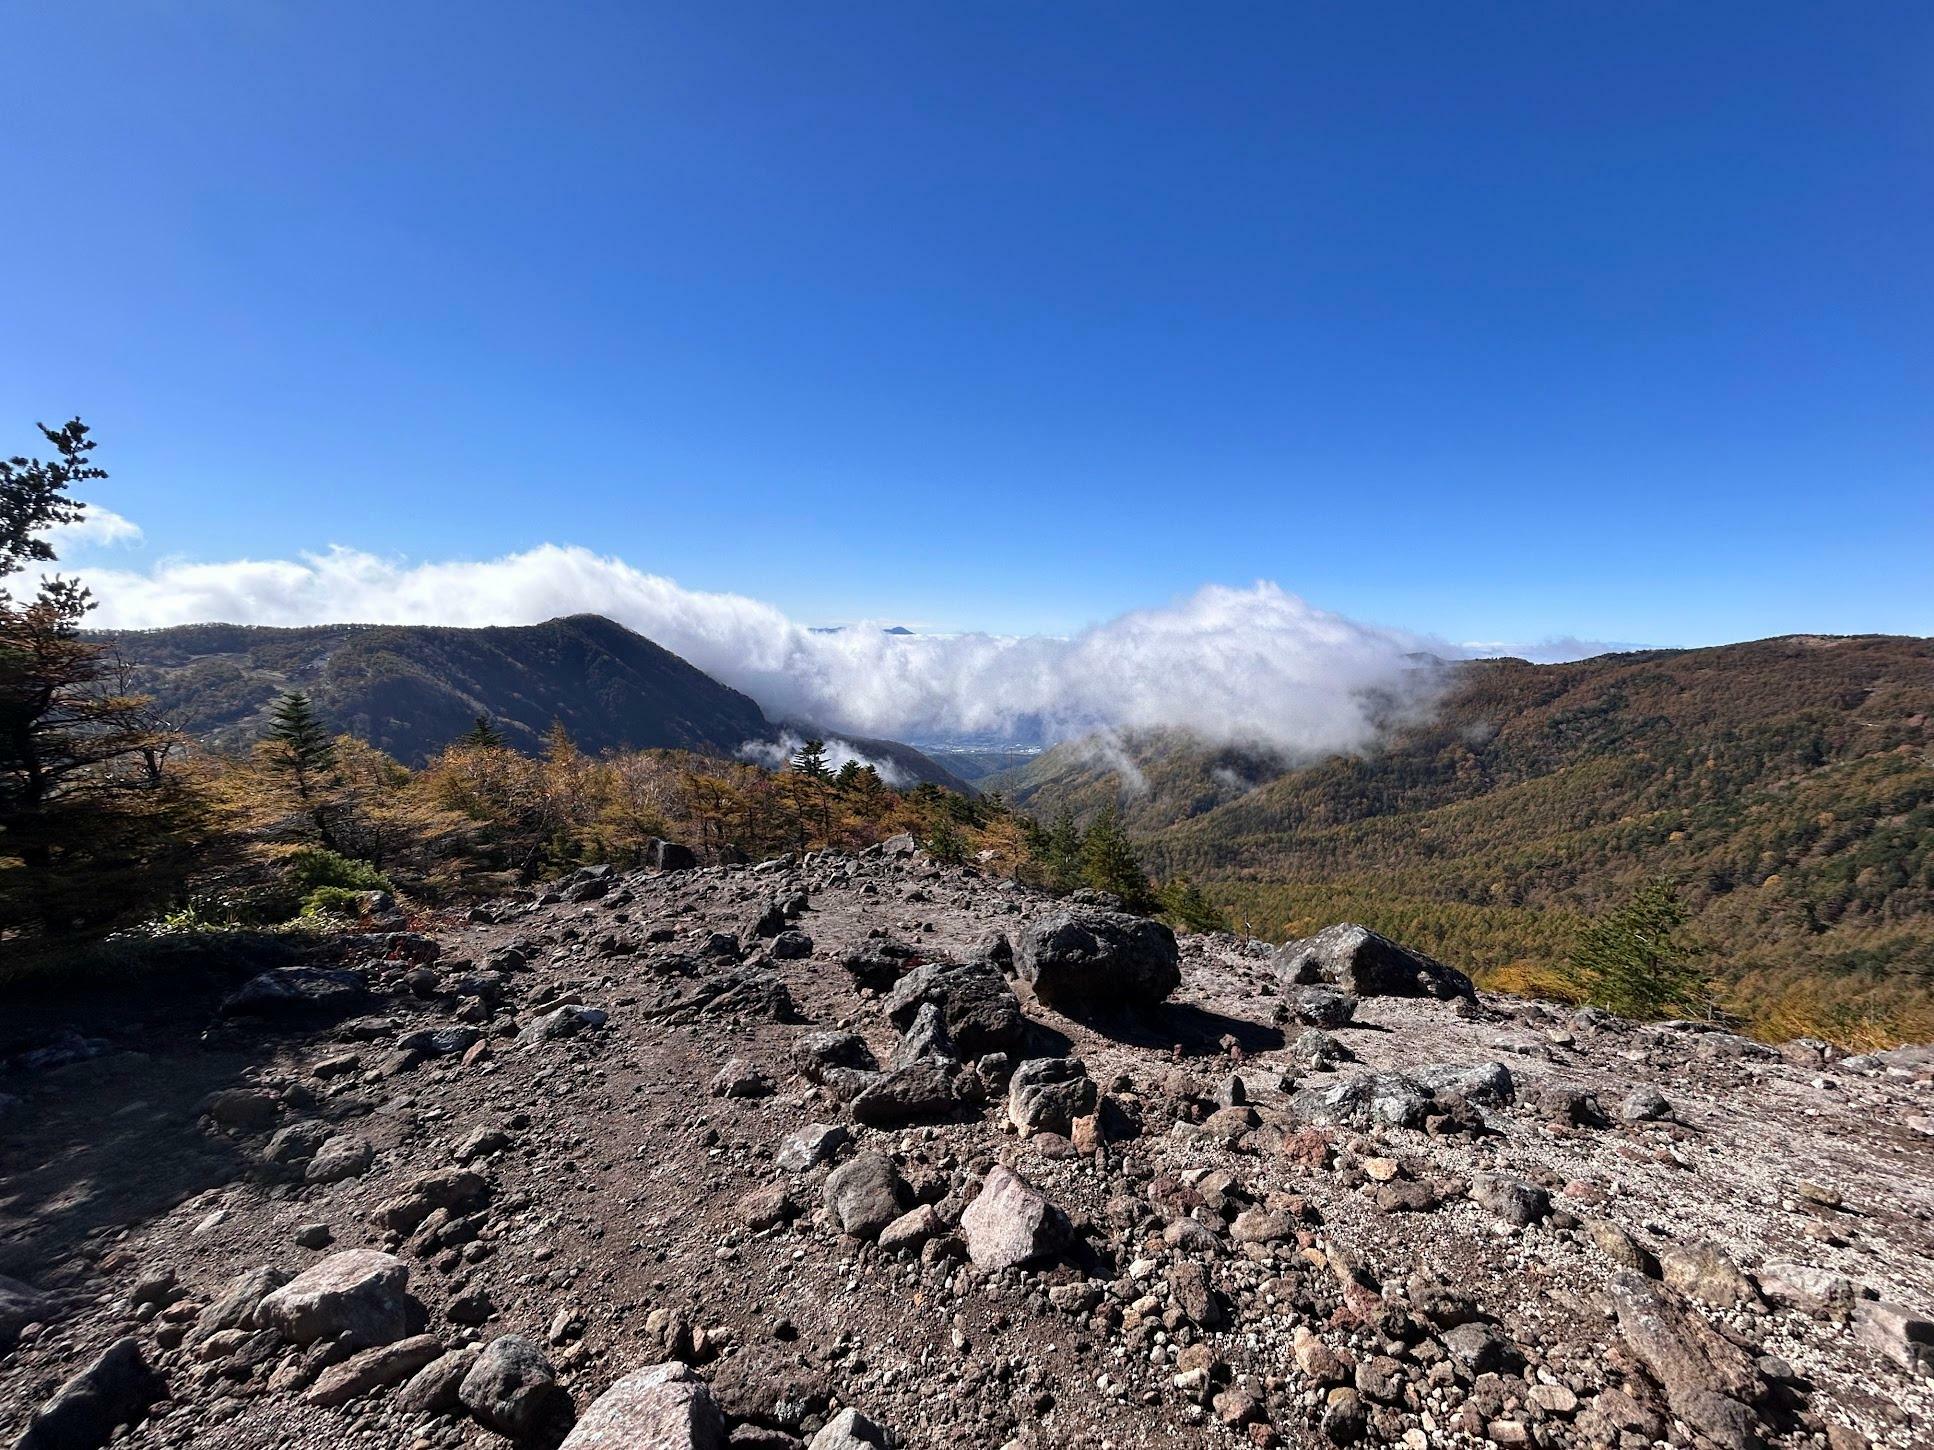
235 1306
865 1194
921 1090
298 991
979 1009
513 1390
115 1390
566 1021
387 1364
1511 1199
1009 1223
1366 964
1709 1382
1905 1337
1322 1007
818 1053
240 1110
339 1158
850 1430
433 1389
455 1190
741 1079
1046 1095
670 856
812 1145
1363 1101
359 1296
1084 960
1701 1271
1488 1084
927 1039
665 1407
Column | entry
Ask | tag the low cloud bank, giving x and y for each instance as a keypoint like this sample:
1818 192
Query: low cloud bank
778 754
1253 666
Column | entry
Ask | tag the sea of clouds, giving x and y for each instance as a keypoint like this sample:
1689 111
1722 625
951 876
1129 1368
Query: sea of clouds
1255 666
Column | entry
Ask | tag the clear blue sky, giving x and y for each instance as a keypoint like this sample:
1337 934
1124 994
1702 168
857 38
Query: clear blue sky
1502 321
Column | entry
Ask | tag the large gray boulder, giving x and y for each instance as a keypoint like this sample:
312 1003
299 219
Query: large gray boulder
919 1091
1087 959
360 1296
977 1006
665 1407
295 991
1365 964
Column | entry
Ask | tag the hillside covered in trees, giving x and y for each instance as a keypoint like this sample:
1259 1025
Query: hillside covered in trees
1785 786
411 689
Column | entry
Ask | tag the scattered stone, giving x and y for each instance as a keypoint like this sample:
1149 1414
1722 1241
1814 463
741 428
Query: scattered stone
865 1194
665 1407
1046 1095
1009 1223
373 1369
513 1390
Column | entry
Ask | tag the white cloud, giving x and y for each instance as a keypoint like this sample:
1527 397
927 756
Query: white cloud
97 527
1252 665
778 755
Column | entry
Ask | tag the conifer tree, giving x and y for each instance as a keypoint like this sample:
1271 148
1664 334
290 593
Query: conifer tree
1109 862
1639 960
87 805
810 760
300 753
483 735
1188 905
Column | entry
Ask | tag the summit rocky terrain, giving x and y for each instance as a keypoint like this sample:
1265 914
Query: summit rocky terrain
869 1151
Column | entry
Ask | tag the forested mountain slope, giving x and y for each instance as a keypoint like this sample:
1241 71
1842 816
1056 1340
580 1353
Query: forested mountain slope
412 689
1787 784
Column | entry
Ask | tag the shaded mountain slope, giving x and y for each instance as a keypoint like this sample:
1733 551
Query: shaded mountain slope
411 689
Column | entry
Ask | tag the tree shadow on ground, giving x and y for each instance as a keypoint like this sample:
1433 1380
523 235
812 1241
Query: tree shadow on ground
116 1139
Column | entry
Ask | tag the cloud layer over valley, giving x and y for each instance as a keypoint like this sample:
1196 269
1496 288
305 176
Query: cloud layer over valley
1254 665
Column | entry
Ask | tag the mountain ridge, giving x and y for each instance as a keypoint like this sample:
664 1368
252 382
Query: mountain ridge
1787 785
410 689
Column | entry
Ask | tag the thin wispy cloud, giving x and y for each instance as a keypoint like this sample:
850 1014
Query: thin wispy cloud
96 528
1254 665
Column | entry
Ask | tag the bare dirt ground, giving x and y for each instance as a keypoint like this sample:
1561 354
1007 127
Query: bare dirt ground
1243 1241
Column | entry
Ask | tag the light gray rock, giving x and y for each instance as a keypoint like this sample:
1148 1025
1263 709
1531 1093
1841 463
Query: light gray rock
1009 1223
1366 964
665 1407
865 1194
812 1145
850 1430
360 1296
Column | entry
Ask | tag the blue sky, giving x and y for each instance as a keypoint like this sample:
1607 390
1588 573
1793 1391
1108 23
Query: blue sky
1499 322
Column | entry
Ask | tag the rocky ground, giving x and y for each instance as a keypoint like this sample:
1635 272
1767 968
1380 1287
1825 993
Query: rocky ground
872 1151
